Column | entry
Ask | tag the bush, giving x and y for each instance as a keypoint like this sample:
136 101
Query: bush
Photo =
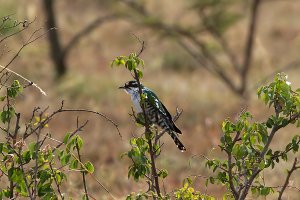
246 146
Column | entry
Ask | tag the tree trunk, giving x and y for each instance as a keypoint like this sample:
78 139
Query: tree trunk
55 46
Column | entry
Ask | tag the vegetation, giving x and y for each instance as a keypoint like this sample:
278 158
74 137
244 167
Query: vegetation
245 143
31 166
48 152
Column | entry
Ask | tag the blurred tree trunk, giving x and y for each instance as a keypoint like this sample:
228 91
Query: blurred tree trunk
194 40
55 45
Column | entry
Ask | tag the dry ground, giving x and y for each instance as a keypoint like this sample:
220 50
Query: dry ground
92 84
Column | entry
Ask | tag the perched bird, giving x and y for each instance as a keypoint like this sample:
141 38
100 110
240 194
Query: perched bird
155 110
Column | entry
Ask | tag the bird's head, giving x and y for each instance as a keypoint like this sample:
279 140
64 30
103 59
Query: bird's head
131 87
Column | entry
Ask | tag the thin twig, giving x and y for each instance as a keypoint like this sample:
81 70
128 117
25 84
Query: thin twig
30 40
83 173
25 25
55 180
27 80
286 182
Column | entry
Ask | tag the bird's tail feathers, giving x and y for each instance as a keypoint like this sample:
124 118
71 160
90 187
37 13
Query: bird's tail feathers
178 143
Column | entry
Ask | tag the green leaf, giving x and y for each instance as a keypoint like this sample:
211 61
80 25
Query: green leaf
26 157
44 175
89 167
163 173
270 123
74 164
45 189
15 89
2 98
284 156
65 159
66 138
6 115
261 165
85 197
265 191
32 148
140 142
79 142
1 147
139 73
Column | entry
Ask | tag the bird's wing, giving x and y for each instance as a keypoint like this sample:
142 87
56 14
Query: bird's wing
154 101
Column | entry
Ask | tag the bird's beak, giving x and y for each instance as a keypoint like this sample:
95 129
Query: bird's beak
121 87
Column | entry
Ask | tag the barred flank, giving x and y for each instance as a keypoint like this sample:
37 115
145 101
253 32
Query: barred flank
162 121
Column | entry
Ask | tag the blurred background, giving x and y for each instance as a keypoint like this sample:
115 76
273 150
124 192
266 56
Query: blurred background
205 57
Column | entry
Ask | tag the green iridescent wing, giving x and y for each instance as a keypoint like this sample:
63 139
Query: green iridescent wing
155 102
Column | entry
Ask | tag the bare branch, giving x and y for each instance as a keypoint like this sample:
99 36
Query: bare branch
286 182
27 80
249 44
32 38
61 110
25 24
87 30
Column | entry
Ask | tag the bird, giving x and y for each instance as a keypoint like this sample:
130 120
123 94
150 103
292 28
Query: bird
155 110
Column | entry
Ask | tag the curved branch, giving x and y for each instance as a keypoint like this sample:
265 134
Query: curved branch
85 31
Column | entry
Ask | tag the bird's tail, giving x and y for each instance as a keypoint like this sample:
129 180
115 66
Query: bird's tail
178 143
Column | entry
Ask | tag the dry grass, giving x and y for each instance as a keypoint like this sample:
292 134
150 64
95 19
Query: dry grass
91 84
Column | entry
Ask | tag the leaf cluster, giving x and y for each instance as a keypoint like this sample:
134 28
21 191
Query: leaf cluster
131 62
32 167
247 143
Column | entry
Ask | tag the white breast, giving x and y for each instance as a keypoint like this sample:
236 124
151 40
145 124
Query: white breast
135 97
136 102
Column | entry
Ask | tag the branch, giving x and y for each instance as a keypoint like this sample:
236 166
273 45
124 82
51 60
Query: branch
56 182
83 173
25 24
292 65
204 57
30 40
273 131
85 31
249 45
257 170
27 80
230 54
35 172
79 128
61 109
23 171
294 167
230 166
148 131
